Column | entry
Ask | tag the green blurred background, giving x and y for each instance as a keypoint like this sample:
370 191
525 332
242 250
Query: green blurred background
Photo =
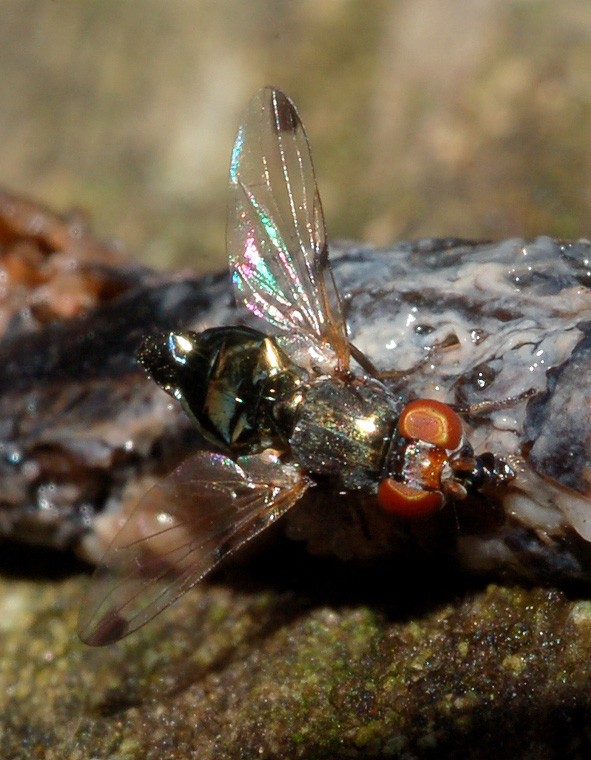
426 118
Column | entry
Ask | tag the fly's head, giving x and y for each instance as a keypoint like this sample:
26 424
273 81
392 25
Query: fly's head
433 463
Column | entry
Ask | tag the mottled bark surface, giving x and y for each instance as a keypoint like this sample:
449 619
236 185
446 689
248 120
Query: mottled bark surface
284 654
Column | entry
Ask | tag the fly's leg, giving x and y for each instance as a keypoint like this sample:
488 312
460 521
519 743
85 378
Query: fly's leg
395 376
484 407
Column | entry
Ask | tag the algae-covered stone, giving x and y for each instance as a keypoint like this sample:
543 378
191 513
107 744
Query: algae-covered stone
245 668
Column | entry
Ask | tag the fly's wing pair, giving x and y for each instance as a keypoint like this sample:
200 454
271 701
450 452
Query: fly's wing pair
276 233
204 511
210 505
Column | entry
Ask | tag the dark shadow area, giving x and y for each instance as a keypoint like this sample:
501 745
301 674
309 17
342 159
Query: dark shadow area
398 589
558 728
20 561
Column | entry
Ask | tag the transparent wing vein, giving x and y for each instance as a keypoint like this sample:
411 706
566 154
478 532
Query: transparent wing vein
276 234
205 510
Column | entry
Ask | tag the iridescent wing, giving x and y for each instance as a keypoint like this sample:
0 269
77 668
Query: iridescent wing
205 510
276 235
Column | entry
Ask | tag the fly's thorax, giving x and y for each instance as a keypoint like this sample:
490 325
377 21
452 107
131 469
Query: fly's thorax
228 380
342 431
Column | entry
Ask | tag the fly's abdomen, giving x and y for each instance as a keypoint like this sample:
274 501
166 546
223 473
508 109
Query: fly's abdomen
228 380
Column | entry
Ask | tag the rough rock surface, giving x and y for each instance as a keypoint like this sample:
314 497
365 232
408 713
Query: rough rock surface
287 657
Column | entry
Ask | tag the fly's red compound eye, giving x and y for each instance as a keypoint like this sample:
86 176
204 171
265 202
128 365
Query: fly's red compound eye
405 501
431 421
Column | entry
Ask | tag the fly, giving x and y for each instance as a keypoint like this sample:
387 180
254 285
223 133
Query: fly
283 412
